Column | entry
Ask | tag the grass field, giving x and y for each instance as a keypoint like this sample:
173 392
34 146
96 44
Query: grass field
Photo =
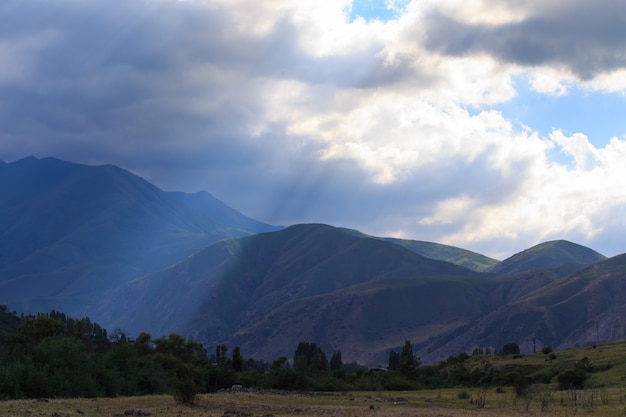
440 403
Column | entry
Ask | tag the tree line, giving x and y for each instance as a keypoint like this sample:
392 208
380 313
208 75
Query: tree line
53 355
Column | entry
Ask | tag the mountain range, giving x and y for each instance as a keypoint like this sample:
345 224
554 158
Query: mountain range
102 242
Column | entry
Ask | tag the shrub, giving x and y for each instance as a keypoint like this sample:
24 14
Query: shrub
519 381
399 383
572 379
185 391
546 350
584 365
463 395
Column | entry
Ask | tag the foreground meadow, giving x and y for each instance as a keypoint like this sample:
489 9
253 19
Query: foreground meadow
439 403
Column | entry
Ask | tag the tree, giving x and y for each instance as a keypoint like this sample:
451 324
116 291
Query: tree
520 382
143 344
280 363
220 354
335 361
311 357
38 328
510 348
394 361
282 377
237 359
408 361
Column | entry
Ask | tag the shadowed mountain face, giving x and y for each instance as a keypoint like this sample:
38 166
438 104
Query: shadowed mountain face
70 231
583 308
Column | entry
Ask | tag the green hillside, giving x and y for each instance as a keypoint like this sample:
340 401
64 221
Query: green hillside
462 257
557 254
468 259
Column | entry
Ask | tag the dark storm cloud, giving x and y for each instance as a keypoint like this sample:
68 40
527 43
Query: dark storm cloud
587 38
134 83
113 79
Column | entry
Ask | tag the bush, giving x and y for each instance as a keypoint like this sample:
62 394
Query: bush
185 391
584 365
572 379
546 349
463 395
399 383
519 381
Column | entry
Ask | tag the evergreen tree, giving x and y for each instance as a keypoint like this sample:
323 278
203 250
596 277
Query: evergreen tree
335 361
220 355
394 361
408 361
237 359
311 357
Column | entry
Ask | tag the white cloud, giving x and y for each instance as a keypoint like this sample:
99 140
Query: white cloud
550 82
611 82
554 201
584 153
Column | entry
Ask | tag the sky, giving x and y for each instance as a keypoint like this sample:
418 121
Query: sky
491 125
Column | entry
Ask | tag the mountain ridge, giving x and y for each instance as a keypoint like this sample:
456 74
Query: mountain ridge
103 242
343 290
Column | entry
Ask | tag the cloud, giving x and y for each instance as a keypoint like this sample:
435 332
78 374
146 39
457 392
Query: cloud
291 113
584 38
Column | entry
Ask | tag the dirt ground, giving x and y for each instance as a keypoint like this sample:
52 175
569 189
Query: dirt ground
282 404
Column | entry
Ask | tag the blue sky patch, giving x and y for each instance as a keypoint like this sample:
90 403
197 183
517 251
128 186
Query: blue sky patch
600 116
371 10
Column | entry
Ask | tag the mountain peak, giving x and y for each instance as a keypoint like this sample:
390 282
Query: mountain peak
553 254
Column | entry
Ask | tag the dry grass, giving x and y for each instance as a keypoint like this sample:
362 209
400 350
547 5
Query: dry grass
440 403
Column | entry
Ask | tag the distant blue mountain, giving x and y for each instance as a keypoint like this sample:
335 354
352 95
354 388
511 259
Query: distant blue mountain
69 231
